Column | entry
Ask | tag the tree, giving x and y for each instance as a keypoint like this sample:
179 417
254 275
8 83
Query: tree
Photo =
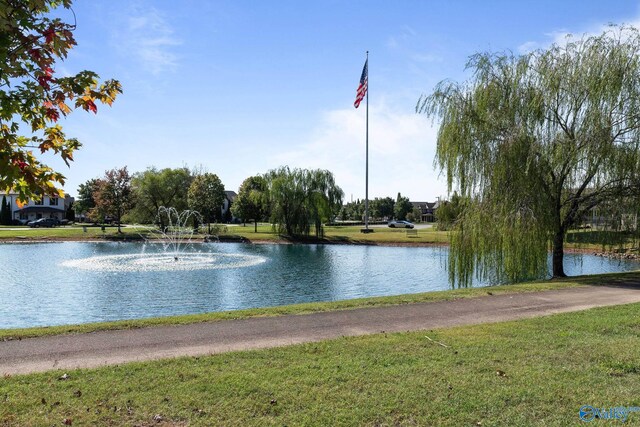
300 198
70 214
535 142
85 201
287 201
5 212
382 207
449 211
33 96
155 188
252 201
206 195
114 194
402 207
352 211
324 198
415 215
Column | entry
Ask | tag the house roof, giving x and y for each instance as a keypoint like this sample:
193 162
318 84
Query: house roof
231 195
30 209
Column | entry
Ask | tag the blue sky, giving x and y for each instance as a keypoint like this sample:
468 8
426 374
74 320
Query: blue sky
241 87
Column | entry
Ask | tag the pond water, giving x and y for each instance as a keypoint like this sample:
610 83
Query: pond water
73 282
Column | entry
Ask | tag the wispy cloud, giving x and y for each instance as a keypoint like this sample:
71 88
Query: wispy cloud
149 39
554 37
401 147
404 43
560 37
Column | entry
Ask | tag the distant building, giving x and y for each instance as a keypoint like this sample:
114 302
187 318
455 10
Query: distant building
427 210
46 207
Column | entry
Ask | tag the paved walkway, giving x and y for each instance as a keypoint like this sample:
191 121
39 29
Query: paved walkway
115 347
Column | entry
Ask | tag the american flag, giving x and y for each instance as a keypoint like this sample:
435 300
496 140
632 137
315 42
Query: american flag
362 87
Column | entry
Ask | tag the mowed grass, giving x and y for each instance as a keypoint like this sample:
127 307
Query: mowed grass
265 233
68 232
528 372
347 234
627 278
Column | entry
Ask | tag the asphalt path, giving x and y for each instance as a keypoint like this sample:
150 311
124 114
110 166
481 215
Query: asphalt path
116 347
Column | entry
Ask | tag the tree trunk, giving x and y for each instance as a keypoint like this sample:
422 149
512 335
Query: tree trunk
558 255
255 225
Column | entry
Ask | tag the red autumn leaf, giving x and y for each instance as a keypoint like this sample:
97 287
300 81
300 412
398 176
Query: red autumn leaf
53 114
49 35
22 165
89 105
35 54
44 81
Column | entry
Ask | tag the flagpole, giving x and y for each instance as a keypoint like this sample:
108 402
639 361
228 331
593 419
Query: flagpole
366 180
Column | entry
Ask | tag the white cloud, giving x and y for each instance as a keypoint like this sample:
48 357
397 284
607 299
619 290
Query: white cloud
401 149
560 37
148 37
554 37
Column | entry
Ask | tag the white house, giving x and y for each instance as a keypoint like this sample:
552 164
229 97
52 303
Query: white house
46 207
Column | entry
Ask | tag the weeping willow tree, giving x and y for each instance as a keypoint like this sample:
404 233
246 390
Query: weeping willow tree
301 198
533 143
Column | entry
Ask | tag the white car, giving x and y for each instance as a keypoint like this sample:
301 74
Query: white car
400 224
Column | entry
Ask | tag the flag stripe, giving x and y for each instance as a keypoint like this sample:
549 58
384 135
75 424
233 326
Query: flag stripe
362 87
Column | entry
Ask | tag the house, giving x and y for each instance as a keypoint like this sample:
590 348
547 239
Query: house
427 210
46 207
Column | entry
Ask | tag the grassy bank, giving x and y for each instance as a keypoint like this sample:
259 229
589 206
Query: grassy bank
240 233
349 234
529 372
616 278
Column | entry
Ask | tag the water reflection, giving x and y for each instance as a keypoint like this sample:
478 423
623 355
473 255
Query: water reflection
39 288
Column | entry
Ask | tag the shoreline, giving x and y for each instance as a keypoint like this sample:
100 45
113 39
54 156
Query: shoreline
612 253
14 240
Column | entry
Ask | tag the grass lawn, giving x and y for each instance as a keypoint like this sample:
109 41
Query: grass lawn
347 234
614 278
265 233
68 232
528 372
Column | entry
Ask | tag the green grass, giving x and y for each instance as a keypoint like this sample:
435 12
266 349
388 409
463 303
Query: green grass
615 278
245 233
64 233
348 234
521 373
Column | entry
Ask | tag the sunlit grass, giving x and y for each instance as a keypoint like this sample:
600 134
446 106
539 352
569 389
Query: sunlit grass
522 373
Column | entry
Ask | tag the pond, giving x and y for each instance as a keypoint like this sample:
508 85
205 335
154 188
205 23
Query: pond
77 282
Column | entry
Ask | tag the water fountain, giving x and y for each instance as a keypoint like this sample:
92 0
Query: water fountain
174 230
169 248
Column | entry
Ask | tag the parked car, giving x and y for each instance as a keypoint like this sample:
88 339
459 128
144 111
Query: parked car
400 224
44 222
